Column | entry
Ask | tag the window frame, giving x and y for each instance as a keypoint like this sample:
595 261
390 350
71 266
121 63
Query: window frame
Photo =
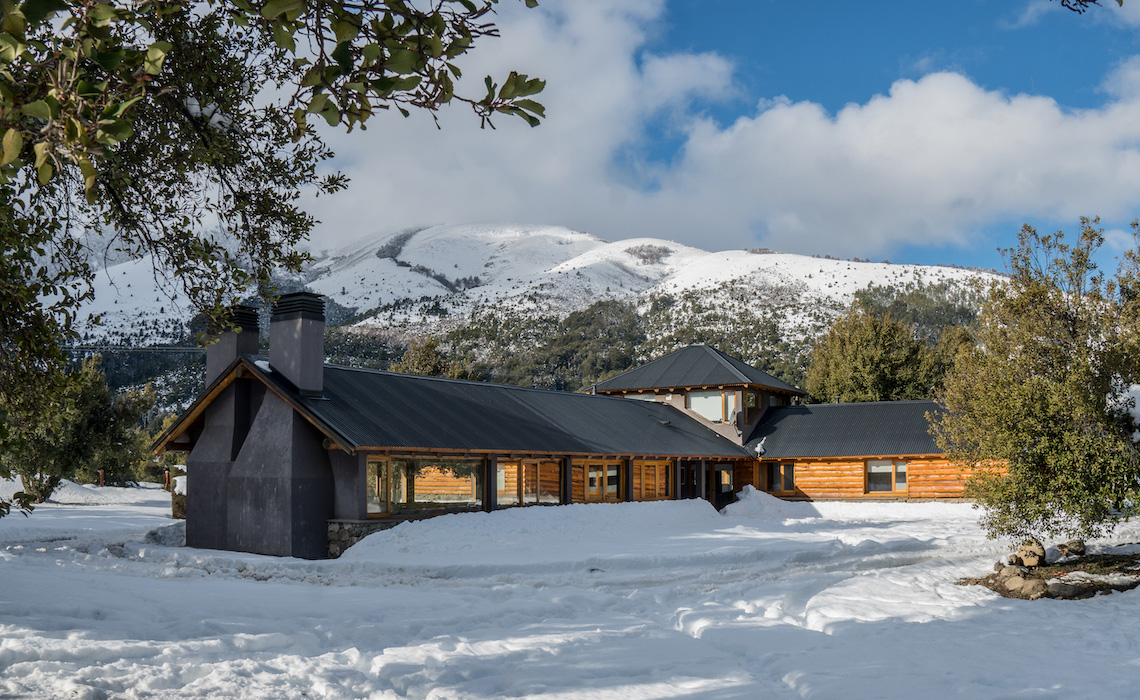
600 469
894 480
651 471
727 396
381 471
786 470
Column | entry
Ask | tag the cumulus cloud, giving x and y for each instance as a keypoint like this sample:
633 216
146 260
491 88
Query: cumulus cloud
931 161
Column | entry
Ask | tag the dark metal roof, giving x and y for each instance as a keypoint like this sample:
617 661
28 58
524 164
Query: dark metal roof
369 408
696 365
846 430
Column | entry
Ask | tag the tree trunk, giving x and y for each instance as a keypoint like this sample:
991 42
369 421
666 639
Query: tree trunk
39 487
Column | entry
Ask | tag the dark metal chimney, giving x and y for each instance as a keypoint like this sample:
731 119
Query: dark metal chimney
297 341
232 344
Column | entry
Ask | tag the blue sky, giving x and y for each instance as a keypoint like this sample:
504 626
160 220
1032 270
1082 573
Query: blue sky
910 131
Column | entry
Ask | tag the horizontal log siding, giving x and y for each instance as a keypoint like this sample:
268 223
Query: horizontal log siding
927 477
934 478
825 478
745 473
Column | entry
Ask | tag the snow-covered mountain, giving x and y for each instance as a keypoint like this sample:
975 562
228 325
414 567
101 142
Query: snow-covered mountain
433 278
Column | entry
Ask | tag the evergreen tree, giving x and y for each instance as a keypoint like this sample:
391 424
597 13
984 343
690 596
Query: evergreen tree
1043 395
426 357
87 430
864 357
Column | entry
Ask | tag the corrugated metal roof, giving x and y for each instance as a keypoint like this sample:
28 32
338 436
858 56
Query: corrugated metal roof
370 408
846 429
696 365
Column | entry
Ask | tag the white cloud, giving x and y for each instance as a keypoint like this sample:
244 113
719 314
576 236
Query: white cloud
934 160
1033 11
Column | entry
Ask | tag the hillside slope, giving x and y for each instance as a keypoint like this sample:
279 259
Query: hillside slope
432 279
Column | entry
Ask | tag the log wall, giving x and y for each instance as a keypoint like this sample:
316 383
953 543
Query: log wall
840 478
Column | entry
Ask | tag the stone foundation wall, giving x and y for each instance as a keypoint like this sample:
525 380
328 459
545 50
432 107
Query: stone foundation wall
345 533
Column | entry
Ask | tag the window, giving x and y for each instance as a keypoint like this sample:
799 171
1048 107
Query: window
713 406
433 483
529 483
604 481
886 476
642 397
781 477
725 480
774 400
652 480
751 406
376 489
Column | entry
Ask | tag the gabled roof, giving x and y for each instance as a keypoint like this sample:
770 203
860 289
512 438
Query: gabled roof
846 430
373 409
696 365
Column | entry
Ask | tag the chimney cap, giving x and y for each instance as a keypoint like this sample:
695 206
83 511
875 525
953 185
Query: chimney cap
240 315
303 304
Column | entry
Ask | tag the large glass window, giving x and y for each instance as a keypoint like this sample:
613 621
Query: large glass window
751 406
707 404
604 481
781 476
642 397
377 487
507 476
432 483
529 482
713 406
885 475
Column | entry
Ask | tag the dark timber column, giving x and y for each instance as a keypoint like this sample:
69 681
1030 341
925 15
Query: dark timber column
567 475
491 484
677 480
700 479
227 422
628 485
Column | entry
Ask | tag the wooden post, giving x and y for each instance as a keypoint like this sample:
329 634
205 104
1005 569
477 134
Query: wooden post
677 479
700 481
491 483
567 475
628 495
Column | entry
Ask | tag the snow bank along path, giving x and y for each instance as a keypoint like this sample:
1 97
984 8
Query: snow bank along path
641 600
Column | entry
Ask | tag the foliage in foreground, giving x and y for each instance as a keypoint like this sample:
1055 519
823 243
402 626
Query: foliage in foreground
90 430
1044 392
142 120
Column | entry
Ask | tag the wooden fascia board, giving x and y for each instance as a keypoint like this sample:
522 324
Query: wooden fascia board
196 409
837 458
238 369
519 454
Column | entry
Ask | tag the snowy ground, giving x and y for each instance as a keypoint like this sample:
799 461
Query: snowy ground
770 600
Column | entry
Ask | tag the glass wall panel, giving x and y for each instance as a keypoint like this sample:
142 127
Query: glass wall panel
594 477
507 474
879 477
613 482
603 481
529 483
707 404
432 483
376 488
900 476
789 476
549 482
751 406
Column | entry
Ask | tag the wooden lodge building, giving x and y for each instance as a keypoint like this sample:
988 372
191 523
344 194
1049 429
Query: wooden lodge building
283 453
